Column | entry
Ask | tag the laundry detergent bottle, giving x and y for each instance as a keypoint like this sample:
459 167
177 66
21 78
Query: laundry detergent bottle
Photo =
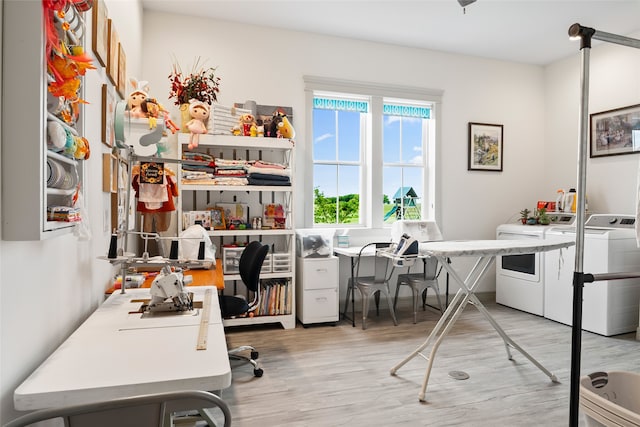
570 201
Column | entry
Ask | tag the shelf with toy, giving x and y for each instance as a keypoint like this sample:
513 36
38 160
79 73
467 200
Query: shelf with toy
234 159
240 142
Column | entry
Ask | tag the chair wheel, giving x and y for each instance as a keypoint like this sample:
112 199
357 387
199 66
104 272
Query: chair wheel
254 355
258 372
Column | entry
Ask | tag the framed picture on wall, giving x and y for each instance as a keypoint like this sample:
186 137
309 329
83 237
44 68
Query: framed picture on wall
122 71
485 147
615 132
112 55
100 34
109 99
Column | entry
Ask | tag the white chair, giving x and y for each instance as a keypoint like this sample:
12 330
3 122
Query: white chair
419 284
376 284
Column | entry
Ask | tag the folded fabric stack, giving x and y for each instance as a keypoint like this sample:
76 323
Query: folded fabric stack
231 172
198 162
266 173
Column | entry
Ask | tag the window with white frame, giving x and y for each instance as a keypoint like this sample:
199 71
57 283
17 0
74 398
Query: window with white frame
371 154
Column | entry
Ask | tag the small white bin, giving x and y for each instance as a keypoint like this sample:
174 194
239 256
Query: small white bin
611 398
281 262
231 259
266 265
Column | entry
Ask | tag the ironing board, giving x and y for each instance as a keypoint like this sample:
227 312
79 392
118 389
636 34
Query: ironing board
485 251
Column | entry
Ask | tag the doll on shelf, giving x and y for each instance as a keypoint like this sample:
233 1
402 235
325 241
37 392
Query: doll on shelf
136 97
199 112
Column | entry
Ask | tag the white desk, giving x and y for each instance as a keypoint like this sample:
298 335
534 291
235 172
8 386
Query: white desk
117 353
485 251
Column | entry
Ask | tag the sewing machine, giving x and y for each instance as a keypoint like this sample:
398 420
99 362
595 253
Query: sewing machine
168 292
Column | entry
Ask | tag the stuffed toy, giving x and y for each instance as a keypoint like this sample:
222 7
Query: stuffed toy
137 96
285 129
82 149
151 110
199 112
275 121
260 129
245 124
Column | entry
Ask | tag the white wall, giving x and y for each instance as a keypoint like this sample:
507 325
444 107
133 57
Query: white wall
49 287
614 83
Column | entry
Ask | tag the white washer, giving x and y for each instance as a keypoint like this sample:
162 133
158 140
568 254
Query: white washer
609 307
520 278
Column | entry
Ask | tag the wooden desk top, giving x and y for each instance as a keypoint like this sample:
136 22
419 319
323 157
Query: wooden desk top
212 277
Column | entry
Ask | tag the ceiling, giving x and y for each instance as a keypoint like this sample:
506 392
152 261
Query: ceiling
525 31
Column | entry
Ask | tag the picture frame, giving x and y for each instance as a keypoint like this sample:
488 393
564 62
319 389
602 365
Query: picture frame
274 216
100 32
197 217
235 213
109 173
122 71
217 219
485 147
615 132
108 114
112 55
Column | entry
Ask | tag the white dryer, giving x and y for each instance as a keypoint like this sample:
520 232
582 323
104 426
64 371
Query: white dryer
609 307
520 278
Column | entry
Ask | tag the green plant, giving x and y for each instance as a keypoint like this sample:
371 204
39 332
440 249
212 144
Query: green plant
524 215
542 217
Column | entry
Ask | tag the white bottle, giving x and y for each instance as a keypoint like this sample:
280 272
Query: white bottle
560 200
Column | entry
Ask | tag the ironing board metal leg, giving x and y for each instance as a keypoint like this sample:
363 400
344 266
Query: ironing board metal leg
436 345
508 340
459 295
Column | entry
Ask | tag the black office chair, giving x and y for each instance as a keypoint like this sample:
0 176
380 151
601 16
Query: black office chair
152 410
249 265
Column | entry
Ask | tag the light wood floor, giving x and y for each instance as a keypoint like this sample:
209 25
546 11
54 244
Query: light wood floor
339 375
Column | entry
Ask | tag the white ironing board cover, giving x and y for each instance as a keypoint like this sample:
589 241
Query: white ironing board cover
462 248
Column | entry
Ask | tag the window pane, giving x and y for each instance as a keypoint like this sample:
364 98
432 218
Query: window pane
391 139
324 134
349 190
392 179
349 136
411 140
324 194
403 189
336 194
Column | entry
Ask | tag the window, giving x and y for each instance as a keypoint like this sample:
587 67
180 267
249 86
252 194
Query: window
404 136
339 136
372 153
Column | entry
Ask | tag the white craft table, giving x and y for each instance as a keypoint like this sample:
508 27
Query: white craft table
485 251
119 353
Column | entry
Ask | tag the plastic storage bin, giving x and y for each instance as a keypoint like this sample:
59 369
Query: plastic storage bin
611 398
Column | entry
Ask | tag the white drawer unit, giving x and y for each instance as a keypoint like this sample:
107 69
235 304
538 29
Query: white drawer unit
317 290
